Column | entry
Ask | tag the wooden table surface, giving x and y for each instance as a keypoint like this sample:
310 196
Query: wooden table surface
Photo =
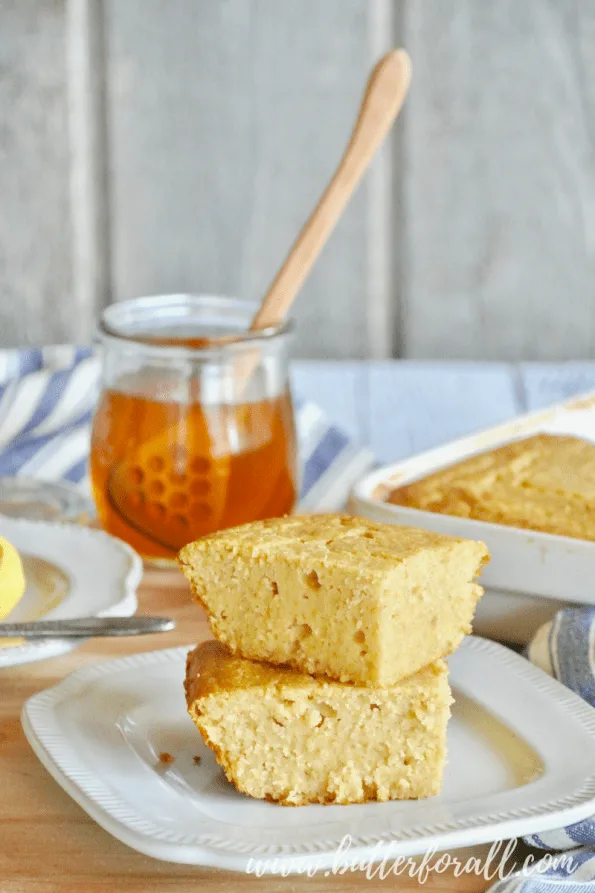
49 845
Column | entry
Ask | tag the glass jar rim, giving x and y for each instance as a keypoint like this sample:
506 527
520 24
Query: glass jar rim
113 319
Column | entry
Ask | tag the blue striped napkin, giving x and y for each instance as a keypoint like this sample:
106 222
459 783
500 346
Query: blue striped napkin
47 398
564 648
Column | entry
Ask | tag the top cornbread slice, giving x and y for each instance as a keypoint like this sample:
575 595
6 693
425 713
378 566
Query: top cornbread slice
545 483
338 596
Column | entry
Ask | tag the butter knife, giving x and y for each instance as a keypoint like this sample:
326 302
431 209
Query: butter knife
87 627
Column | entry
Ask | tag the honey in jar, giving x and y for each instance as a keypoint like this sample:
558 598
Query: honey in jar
183 443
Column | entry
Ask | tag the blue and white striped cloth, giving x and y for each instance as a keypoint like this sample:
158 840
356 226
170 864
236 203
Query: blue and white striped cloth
564 648
47 398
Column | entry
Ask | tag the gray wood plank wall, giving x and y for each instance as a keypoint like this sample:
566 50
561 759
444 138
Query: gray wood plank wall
35 226
150 146
219 154
500 180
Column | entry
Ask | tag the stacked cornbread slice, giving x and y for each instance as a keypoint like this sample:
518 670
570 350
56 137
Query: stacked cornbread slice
327 683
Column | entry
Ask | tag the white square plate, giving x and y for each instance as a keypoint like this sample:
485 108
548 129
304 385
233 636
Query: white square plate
521 760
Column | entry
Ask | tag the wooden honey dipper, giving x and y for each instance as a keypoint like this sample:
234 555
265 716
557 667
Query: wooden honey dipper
383 99
151 473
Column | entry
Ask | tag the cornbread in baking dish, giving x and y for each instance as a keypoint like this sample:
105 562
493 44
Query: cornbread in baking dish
544 483
339 596
283 736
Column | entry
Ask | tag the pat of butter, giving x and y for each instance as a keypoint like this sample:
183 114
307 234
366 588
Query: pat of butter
12 578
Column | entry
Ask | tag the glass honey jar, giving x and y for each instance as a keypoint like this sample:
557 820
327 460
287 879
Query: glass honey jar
194 429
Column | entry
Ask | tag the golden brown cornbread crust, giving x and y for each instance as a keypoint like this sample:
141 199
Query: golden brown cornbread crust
273 713
343 536
336 595
544 483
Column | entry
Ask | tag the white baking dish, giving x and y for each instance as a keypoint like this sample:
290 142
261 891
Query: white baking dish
531 575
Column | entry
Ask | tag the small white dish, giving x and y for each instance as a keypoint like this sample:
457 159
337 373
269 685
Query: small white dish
521 760
71 571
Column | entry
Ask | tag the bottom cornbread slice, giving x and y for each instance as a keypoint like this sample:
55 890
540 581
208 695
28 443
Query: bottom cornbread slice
285 736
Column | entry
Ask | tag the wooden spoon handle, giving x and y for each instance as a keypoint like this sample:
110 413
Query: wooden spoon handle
382 102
